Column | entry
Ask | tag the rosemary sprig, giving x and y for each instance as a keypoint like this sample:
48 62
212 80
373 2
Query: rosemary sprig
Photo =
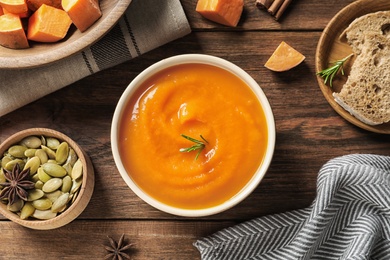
329 73
198 146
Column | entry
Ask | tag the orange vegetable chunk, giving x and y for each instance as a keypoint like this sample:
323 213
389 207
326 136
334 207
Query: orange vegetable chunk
226 12
84 13
33 5
14 6
284 58
12 34
48 24
21 15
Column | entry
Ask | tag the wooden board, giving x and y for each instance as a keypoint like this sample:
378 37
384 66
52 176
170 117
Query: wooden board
331 48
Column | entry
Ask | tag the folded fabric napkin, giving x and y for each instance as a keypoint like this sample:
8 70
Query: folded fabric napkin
349 219
147 24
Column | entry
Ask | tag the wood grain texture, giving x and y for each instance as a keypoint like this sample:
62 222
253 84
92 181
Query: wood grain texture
309 133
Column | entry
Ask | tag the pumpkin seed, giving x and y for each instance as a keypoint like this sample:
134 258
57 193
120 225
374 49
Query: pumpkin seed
42 204
53 196
50 153
77 170
66 184
54 170
52 143
5 160
74 196
62 152
33 164
17 151
52 185
76 184
59 204
43 140
2 177
16 206
27 210
72 157
35 177
31 142
10 165
44 214
42 175
35 194
30 152
39 184
68 168
42 155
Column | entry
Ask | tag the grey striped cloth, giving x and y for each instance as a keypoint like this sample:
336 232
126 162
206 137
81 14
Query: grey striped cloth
147 24
349 219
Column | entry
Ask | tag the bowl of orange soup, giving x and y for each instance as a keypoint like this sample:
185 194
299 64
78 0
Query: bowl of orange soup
193 135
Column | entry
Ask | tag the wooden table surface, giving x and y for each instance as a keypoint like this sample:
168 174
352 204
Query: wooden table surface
309 133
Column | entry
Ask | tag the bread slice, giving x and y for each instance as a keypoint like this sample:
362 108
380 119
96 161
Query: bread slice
366 94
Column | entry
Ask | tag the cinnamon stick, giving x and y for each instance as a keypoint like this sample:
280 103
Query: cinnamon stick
282 8
275 6
264 4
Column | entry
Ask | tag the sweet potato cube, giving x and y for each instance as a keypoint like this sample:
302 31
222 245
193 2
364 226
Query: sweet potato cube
284 58
226 12
12 34
33 5
14 6
48 24
84 13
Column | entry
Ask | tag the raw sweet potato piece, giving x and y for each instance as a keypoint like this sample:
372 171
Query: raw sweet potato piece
21 15
83 13
33 5
48 24
12 34
14 6
284 58
226 12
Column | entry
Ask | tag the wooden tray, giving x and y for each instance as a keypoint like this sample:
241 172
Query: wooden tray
330 48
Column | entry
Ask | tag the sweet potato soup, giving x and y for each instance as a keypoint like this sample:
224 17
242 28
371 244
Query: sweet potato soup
193 100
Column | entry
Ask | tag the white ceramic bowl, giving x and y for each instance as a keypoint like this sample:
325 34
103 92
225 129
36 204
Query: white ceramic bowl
186 59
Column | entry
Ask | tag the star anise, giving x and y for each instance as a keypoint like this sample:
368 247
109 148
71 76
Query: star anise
117 250
16 184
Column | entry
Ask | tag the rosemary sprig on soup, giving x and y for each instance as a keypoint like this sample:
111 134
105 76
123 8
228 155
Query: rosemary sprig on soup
198 146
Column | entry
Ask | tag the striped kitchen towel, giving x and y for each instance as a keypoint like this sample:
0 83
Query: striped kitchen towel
349 219
147 24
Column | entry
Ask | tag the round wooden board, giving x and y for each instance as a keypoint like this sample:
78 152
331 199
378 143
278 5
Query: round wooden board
331 48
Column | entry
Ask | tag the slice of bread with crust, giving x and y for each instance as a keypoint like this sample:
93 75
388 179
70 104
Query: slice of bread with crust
366 94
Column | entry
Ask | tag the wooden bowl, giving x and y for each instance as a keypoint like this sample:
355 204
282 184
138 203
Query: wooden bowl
85 192
331 48
44 53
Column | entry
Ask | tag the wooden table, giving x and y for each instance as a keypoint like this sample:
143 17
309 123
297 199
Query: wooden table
309 133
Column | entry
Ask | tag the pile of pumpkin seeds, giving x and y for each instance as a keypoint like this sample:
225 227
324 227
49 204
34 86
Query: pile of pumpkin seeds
56 171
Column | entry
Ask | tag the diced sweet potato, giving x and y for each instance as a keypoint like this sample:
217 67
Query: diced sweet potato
14 6
83 13
226 12
33 5
284 58
48 24
12 34
21 15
